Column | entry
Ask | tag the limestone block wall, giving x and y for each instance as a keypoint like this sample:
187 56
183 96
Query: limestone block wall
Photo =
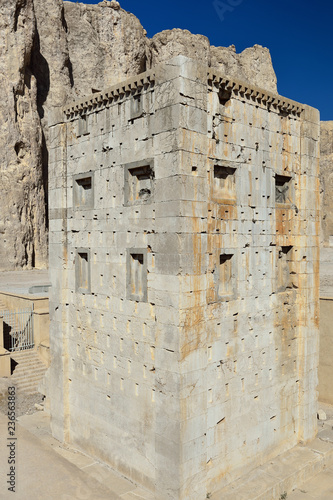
326 182
114 357
256 343
184 232
325 370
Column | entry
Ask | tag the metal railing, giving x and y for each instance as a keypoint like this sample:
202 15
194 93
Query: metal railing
18 329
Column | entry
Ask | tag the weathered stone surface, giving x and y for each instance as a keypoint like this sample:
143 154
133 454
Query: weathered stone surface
53 51
184 233
171 43
106 44
326 182
325 370
52 66
253 65
22 202
321 415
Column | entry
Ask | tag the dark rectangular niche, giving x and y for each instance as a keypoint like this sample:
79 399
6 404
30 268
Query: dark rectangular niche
83 187
224 96
225 283
137 274
82 270
284 269
136 106
223 286
224 183
82 125
139 178
282 189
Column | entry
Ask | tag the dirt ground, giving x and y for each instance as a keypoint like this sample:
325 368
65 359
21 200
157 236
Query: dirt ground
25 403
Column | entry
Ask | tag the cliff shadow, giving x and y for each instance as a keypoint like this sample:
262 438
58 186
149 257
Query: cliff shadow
41 71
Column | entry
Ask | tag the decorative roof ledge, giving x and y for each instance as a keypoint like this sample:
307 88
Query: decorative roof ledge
134 85
95 101
256 94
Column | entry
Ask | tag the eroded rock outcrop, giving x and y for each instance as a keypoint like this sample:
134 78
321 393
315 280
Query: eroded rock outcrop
171 43
22 199
326 182
53 51
106 45
253 65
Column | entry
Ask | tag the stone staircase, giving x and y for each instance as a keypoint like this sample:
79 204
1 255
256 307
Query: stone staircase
29 371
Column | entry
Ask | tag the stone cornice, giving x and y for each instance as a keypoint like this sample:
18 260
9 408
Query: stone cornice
131 86
96 101
244 90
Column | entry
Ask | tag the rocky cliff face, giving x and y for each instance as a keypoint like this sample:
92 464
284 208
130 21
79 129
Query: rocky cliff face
326 182
253 65
22 200
106 45
53 51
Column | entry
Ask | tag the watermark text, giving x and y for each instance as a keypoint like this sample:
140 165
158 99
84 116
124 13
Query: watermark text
11 440
222 7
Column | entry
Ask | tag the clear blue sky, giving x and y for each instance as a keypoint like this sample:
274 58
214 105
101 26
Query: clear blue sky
298 33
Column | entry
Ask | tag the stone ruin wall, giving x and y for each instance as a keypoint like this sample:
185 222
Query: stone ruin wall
326 183
53 51
184 250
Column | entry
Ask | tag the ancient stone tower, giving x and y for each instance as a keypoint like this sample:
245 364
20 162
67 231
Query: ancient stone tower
184 226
